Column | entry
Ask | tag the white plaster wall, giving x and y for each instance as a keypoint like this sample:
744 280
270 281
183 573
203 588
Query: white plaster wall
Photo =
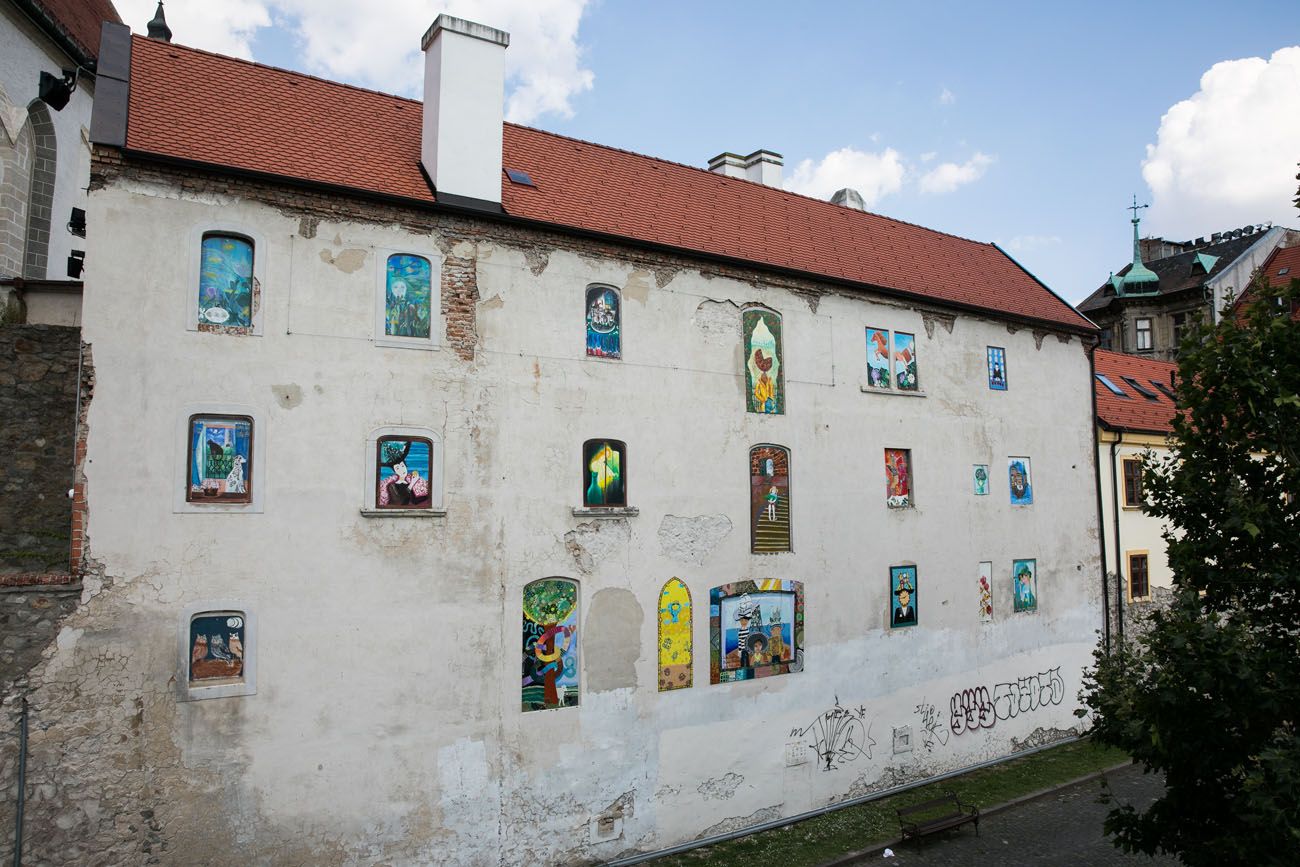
1235 278
1137 531
24 52
52 308
387 713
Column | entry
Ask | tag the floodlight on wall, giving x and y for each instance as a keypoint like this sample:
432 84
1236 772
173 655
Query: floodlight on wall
76 264
54 91
77 225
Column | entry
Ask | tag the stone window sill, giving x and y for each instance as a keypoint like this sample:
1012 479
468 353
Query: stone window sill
607 512
871 389
403 513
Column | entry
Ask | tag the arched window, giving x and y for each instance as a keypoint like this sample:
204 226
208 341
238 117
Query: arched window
675 642
604 322
764 361
40 200
226 291
769 499
550 644
604 473
408 297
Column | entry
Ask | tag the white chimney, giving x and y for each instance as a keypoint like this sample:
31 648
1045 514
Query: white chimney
761 167
464 88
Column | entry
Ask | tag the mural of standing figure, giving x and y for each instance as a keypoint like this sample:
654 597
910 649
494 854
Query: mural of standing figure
550 644
764 361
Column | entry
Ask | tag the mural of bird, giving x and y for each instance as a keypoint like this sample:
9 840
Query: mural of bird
200 651
236 646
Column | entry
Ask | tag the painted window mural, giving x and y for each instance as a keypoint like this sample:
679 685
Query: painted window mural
878 368
755 629
220 459
1024 584
986 591
769 497
1022 487
216 646
550 636
675 642
403 473
604 322
902 587
226 282
764 358
898 478
408 294
604 475
905 376
997 368
981 478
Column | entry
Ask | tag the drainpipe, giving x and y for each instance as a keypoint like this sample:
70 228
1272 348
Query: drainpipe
1119 552
1101 511
22 787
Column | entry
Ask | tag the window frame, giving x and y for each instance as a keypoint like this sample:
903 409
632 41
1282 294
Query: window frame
1148 331
1126 465
196 237
789 498
436 319
187 690
621 447
988 359
586 304
1129 557
255 475
891 350
370 501
911 479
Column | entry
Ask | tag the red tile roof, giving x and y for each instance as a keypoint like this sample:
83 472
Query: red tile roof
79 20
1280 268
216 110
1134 411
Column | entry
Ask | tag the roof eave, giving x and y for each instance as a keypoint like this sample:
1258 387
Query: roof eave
58 34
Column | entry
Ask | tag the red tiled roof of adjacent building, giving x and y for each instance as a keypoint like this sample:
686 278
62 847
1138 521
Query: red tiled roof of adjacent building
205 108
1279 269
79 20
1134 411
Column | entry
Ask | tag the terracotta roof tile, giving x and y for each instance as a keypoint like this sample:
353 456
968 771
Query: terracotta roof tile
217 110
1280 268
1134 411
80 20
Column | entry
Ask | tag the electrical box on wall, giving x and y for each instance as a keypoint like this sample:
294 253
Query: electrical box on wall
902 739
796 753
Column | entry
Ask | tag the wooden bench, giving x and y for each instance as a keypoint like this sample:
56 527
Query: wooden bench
937 814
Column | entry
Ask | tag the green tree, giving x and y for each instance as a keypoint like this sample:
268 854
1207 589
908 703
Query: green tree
1210 696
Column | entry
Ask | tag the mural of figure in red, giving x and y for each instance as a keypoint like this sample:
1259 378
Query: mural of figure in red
550 675
898 478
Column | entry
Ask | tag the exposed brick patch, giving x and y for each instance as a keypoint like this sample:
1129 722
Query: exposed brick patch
460 304
35 579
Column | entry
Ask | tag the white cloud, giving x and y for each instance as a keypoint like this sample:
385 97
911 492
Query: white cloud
874 175
946 177
226 27
928 156
1227 155
379 47
947 97
1025 243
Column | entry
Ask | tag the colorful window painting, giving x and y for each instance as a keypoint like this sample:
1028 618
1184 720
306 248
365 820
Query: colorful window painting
755 629
550 634
905 377
1024 584
986 591
764 376
675 642
403 473
878 368
408 294
981 479
769 497
216 646
220 459
898 478
226 284
1022 487
604 322
997 368
604 477
902 587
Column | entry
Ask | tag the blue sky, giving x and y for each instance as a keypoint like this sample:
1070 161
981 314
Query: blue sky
1027 124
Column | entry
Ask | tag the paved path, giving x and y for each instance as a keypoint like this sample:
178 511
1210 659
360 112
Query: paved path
1061 828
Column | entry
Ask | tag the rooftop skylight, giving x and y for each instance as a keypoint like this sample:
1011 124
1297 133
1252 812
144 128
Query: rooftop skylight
1141 389
1101 377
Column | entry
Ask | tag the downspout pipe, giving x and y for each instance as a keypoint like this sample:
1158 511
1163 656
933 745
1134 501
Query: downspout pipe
1101 510
1119 548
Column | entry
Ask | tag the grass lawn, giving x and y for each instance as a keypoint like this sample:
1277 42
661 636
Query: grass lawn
820 839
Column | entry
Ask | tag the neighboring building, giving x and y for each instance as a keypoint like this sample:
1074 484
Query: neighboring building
589 505
1146 308
1280 269
1135 410
45 153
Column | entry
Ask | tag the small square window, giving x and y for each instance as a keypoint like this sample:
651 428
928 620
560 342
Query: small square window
521 177
217 651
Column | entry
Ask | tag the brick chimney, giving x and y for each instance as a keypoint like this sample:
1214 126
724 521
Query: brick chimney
464 89
761 167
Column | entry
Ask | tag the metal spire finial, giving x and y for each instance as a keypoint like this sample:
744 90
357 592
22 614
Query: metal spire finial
158 28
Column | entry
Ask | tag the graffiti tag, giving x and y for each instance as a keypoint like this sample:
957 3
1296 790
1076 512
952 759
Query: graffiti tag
931 726
839 736
975 708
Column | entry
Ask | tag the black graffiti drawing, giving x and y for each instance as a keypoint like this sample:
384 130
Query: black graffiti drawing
839 736
931 726
975 708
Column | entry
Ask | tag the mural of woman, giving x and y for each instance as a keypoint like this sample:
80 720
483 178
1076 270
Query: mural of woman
404 487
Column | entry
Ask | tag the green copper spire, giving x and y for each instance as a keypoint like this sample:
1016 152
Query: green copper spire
1140 280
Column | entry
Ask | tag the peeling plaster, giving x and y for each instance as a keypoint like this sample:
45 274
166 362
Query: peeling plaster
496 302
537 260
347 261
1039 335
608 656
929 320
692 539
736 823
288 396
721 788
718 320
593 541
307 227
637 287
